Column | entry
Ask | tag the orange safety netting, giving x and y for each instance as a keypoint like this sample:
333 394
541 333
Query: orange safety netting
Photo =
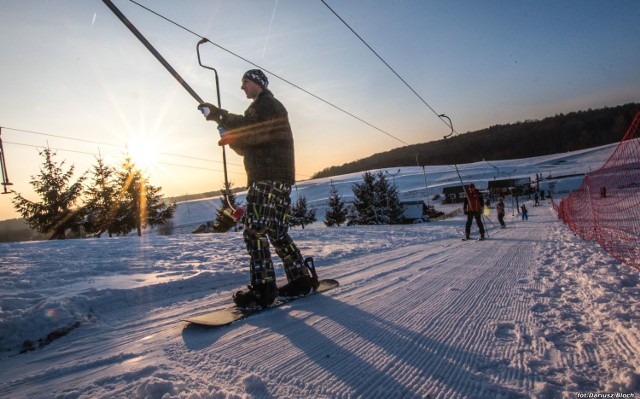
606 206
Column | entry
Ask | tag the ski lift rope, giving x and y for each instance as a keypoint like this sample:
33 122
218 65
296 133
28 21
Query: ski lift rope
440 116
270 72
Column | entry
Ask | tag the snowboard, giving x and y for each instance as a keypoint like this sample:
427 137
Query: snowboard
227 316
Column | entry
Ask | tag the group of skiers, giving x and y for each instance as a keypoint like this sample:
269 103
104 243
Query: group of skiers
474 205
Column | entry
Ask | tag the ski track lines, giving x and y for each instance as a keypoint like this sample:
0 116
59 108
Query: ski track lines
445 321
427 330
582 325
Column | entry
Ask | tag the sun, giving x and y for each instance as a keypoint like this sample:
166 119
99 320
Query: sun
143 152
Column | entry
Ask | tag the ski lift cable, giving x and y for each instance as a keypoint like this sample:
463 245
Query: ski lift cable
104 144
270 72
387 64
159 162
91 153
443 117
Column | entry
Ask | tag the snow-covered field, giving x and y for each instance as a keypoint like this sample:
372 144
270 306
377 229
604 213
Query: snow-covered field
531 312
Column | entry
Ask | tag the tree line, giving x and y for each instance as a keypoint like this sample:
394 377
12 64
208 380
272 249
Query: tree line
557 134
113 201
376 202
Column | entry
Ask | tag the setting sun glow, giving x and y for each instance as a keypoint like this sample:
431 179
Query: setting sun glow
144 153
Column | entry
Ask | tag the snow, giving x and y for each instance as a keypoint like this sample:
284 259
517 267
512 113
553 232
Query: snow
531 312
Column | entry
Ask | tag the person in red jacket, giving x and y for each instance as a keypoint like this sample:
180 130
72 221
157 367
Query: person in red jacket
473 207
263 137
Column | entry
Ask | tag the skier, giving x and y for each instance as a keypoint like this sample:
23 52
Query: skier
525 212
500 211
473 206
264 138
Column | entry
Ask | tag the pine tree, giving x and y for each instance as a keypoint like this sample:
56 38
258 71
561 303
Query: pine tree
223 221
364 205
102 201
56 213
300 214
139 203
337 212
158 212
388 201
127 212
375 201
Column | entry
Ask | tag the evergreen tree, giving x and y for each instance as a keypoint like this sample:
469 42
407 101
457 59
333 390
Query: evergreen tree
352 215
375 201
337 212
139 203
223 221
388 200
300 214
102 200
364 211
127 212
158 212
56 213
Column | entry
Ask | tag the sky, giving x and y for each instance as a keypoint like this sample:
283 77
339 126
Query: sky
76 80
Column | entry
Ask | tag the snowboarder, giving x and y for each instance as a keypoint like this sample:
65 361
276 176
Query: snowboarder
473 206
500 211
264 138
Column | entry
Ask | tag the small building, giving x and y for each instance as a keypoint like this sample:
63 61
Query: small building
455 194
415 211
418 212
509 186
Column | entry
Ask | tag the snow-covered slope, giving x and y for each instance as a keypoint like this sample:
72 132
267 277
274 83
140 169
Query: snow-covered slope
531 312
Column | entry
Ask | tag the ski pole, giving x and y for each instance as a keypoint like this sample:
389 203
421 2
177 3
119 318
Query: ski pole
151 49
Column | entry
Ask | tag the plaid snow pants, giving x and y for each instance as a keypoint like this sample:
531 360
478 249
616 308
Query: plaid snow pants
267 220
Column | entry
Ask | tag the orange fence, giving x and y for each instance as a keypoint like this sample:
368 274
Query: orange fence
606 206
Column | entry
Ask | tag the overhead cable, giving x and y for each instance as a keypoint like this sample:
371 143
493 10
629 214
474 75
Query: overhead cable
270 72
385 63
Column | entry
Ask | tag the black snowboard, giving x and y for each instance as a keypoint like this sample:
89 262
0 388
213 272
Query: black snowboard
227 316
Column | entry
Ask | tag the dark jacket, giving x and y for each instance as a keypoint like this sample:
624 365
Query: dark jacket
264 139
500 207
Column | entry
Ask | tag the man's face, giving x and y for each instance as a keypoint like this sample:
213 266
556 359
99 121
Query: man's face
250 88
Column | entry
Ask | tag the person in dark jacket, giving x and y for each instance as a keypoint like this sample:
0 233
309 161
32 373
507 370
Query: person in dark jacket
473 207
500 211
263 137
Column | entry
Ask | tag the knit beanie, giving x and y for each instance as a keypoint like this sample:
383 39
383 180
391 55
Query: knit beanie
256 76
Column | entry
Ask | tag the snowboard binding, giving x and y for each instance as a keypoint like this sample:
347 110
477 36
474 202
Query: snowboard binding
308 263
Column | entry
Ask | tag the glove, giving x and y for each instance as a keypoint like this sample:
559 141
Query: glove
211 112
204 109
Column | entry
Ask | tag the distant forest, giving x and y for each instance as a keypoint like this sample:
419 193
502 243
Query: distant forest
531 138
